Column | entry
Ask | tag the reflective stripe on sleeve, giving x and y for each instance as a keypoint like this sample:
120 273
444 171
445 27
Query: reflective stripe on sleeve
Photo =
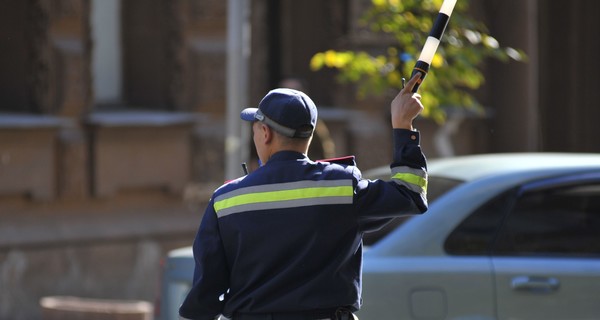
414 179
284 195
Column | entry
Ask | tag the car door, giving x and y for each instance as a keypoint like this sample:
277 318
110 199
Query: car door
546 256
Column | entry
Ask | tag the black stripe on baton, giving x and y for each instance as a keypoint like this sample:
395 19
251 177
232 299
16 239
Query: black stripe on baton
422 67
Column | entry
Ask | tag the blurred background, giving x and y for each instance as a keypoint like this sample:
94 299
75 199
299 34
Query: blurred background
118 119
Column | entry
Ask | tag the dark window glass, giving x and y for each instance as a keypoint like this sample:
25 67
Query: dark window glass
475 234
437 186
145 67
555 221
17 31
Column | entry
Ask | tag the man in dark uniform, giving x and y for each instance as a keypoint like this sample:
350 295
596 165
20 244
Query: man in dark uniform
285 241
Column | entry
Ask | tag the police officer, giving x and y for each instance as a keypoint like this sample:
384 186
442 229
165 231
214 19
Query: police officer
285 241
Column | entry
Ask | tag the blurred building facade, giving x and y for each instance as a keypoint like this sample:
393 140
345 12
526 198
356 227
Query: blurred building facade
112 121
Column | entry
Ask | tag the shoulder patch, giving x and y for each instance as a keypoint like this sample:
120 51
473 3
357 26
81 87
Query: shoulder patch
347 160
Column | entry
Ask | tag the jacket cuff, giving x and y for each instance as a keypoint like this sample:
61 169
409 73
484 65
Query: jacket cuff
405 136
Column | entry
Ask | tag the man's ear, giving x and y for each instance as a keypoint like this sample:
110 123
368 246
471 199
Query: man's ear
267 133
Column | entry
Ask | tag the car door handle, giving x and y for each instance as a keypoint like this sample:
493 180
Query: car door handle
534 284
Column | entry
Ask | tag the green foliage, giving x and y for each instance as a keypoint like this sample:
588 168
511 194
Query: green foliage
456 68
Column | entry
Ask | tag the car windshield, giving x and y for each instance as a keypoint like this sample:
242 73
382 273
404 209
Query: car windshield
437 186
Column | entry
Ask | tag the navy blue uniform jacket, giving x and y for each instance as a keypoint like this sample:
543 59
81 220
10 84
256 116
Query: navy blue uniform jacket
288 236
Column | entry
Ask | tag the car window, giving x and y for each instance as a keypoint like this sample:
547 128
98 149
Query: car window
476 233
437 186
561 220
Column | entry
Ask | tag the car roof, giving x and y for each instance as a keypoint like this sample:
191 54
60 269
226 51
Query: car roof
472 167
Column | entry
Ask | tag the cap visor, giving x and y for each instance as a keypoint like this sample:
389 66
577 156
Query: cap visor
248 114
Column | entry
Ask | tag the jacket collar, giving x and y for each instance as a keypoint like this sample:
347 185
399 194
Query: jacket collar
287 155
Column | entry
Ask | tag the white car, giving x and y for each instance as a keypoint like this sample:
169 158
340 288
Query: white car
518 237
507 236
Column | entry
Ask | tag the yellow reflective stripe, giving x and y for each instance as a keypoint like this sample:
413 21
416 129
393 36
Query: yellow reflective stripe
283 195
412 181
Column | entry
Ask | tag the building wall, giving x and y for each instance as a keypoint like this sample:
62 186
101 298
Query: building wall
94 192
569 76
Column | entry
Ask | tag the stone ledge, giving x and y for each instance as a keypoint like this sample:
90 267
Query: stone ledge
142 118
32 121
75 308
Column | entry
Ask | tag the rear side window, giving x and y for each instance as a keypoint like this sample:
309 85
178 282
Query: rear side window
475 235
557 220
